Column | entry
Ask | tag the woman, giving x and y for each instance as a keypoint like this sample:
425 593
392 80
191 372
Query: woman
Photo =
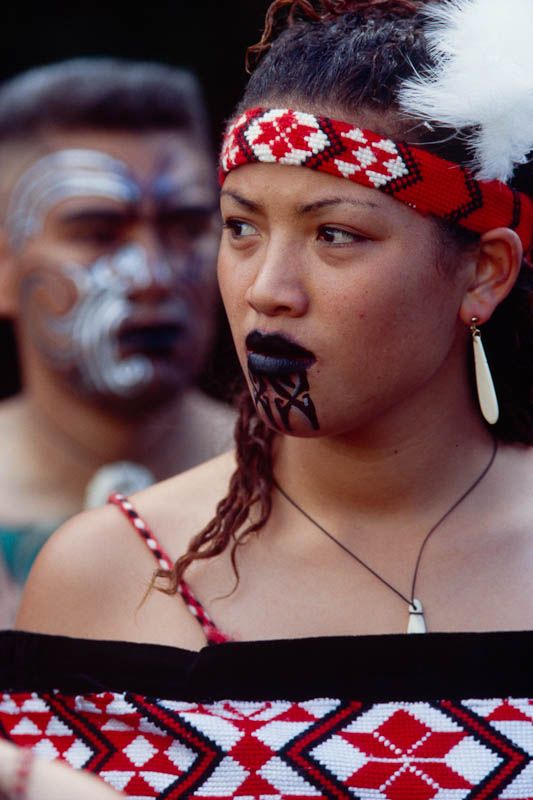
372 492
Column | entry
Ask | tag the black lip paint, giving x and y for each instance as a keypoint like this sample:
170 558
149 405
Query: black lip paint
277 365
273 354
276 344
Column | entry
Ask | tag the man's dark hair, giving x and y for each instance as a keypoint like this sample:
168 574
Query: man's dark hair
102 93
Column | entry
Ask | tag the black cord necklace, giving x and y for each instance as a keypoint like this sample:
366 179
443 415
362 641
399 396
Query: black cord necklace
417 623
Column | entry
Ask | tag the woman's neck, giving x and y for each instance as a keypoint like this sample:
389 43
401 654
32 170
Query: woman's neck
388 468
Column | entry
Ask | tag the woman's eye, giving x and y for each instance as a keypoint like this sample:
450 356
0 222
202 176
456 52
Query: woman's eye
333 235
239 229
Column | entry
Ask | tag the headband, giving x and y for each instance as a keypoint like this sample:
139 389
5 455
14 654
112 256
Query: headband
424 181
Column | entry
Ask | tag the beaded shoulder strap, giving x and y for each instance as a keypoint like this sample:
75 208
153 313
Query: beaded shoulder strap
212 633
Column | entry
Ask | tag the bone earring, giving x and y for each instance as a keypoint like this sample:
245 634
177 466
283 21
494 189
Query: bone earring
488 402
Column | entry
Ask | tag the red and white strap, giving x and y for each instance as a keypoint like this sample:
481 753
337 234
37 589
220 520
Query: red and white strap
123 503
212 633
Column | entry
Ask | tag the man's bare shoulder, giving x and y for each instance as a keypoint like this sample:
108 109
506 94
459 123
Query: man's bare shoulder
209 424
176 509
11 412
92 577
13 461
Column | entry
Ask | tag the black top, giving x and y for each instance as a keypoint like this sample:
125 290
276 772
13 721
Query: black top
391 667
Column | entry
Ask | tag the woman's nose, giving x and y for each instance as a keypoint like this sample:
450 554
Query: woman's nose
278 287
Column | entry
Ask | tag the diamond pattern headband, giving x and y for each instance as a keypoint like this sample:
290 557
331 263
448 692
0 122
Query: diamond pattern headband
426 182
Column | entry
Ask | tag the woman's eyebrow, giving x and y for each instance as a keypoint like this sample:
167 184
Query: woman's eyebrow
243 201
306 208
335 201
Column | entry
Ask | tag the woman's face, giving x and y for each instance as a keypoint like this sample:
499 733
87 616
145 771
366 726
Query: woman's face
337 307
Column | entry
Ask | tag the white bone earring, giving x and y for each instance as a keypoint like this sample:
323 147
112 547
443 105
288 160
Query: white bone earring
488 402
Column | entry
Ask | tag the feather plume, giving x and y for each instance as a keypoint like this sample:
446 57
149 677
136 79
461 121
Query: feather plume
482 78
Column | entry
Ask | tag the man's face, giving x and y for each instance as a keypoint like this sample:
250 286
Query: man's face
113 237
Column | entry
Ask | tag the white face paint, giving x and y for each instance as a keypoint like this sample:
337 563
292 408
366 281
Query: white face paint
85 336
76 312
58 176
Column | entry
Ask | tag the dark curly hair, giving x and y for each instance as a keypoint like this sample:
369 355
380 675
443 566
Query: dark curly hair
348 55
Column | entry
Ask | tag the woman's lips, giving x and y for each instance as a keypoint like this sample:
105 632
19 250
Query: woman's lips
275 354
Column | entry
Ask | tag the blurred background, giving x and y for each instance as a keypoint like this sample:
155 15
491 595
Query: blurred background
208 36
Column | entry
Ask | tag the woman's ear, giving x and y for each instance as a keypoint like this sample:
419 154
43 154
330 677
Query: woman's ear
498 263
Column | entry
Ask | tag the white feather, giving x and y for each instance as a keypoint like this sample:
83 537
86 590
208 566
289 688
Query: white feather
483 77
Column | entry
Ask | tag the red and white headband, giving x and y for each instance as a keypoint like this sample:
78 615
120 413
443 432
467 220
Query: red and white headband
426 182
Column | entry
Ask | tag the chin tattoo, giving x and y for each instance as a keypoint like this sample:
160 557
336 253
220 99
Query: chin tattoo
284 400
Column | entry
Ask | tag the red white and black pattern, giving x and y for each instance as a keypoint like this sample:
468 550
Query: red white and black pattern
144 531
422 180
323 748
212 634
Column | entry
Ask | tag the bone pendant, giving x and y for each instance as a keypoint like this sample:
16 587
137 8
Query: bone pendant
417 623
488 401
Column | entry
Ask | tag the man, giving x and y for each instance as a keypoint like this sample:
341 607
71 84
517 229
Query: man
107 252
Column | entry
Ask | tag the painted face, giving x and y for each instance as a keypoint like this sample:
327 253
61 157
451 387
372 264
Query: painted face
336 305
115 245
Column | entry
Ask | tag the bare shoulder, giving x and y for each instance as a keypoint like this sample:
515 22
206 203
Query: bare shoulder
86 561
515 472
14 467
176 509
207 409
496 544
507 504
92 577
209 422
10 413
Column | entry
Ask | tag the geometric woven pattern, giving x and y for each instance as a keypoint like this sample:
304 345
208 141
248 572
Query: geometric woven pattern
322 748
421 179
